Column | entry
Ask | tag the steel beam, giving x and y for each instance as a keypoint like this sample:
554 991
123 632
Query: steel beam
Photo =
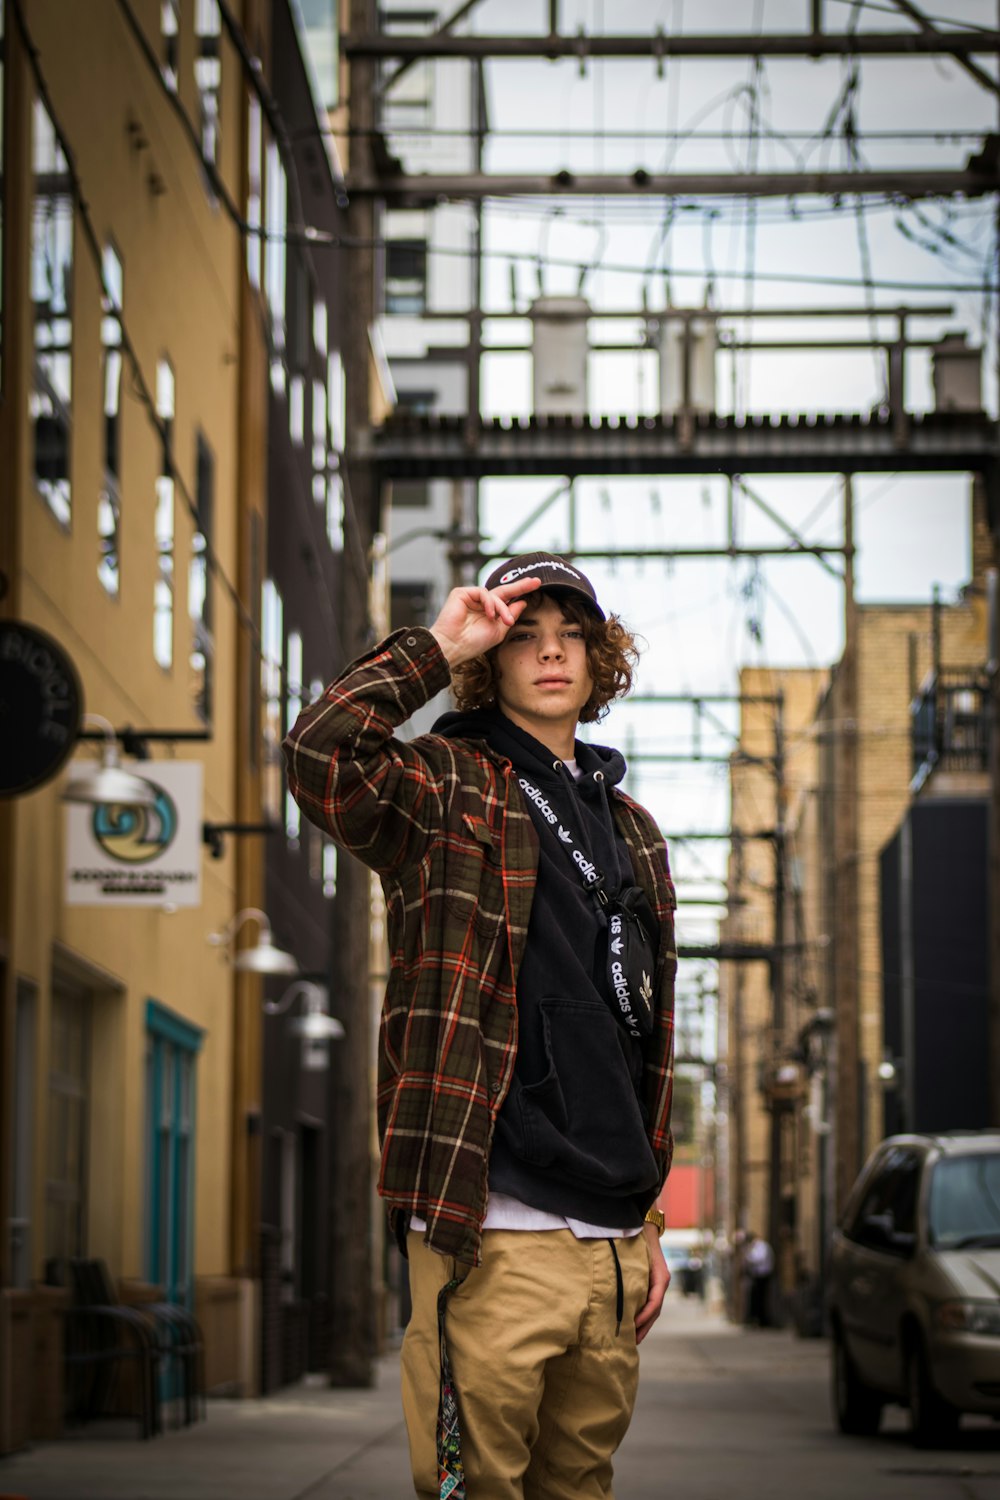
698 314
444 447
432 187
657 45
927 29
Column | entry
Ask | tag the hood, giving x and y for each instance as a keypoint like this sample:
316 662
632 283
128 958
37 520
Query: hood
529 754
974 1273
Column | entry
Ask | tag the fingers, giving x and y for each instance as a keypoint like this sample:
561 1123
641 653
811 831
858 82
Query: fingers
520 586
659 1280
650 1311
494 602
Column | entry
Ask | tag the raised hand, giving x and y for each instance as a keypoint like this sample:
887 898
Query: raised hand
475 619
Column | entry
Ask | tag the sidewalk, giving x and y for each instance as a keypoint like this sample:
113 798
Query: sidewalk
308 1440
722 1412
311 1441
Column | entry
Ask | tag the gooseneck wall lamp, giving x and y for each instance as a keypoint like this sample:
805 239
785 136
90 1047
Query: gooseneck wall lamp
262 957
107 781
315 1026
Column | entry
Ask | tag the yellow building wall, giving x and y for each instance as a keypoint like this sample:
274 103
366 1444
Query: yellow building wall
182 261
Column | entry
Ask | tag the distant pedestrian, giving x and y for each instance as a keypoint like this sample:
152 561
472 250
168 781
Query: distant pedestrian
758 1266
525 1064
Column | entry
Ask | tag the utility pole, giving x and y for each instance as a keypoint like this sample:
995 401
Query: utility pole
777 1101
352 1237
738 1094
848 1143
993 671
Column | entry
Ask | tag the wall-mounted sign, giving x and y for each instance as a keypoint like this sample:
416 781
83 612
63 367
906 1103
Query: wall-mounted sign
41 702
139 856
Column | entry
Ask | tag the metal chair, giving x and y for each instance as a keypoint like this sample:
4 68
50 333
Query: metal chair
175 1331
101 1338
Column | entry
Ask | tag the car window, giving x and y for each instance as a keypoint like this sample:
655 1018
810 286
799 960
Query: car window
893 1190
964 1202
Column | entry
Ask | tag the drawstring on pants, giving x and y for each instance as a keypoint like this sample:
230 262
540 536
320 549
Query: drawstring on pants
619 1290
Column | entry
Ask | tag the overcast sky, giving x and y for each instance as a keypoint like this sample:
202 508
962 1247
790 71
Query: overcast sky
703 620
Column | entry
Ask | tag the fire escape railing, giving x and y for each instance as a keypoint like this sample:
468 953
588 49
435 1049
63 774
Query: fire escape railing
950 724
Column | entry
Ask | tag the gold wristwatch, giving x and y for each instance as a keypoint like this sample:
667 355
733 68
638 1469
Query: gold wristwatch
655 1216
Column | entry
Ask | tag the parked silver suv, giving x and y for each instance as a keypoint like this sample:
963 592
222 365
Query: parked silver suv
914 1285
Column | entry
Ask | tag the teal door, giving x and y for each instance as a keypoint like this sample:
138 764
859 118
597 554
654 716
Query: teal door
172 1046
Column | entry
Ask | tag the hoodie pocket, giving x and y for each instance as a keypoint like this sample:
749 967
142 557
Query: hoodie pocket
582 1121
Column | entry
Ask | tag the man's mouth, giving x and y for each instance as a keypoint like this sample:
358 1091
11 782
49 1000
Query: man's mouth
552 682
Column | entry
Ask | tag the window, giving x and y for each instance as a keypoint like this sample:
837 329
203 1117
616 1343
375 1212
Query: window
23 1116
253 696
272 631
200 584
298 313
275 259
409 604
163 524
419 403
50 401
336 387
293 707
208 73
335 512
68 1123
964 1203
406 277
408 102
3 56
410 494
172 1046
255 188
320 402
329 870
297 410
109 501
319 449
891 1195
319 23
170 42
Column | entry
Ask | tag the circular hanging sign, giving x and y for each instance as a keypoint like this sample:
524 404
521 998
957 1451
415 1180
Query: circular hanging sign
41 703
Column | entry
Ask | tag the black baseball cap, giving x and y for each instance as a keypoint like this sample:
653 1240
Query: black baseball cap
555 575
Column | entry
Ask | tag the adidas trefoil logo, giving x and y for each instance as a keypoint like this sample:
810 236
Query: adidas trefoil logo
646 988
616 945
565 835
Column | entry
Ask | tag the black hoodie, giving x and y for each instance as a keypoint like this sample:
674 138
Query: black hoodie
570 1137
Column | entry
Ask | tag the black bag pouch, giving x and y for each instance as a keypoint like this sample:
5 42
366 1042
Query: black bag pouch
631 959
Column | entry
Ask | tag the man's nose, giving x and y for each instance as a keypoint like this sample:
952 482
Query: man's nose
550 646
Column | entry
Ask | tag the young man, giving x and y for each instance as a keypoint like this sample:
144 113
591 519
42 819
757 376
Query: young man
526 1045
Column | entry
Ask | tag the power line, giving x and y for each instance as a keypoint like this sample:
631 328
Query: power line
891 10
309 236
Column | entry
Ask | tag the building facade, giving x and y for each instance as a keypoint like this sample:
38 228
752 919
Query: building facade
175 519
812 1022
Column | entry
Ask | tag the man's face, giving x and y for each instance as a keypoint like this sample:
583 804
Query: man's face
542 668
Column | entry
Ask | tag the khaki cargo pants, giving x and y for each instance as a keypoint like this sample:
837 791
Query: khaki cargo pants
545 1387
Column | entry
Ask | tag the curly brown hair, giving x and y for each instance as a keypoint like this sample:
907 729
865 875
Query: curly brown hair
611 658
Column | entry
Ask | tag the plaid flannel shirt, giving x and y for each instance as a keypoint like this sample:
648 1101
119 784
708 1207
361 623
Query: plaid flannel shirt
444 824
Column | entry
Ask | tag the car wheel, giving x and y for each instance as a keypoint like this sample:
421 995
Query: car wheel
933 1422
857 1407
